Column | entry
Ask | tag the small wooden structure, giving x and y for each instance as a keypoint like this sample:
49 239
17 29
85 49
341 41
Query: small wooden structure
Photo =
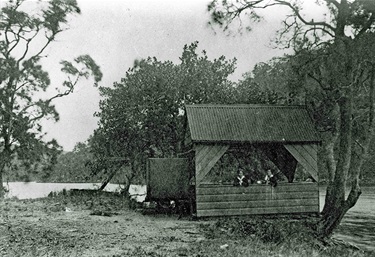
168 179
287 136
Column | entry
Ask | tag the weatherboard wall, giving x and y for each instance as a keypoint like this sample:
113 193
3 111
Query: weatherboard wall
227 200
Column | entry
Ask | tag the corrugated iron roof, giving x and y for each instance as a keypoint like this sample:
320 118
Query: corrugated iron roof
250 123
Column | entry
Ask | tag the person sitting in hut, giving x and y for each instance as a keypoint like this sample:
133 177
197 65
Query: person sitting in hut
249 178
271 179
241 179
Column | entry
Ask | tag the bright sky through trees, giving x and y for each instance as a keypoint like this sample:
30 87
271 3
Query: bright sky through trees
116 32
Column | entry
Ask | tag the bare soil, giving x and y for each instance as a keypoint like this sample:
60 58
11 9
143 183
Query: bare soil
50 228
104 225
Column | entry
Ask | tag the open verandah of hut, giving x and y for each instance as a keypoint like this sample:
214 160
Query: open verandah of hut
285 134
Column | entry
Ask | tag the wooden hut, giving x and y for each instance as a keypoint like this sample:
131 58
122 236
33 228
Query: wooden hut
287 135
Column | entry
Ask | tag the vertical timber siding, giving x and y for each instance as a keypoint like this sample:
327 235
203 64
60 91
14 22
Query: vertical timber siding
225 200
168 178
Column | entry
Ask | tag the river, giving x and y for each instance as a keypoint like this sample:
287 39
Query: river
356 227
32 190
358 224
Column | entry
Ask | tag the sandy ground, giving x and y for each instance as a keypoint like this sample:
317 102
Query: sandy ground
32 229
85 225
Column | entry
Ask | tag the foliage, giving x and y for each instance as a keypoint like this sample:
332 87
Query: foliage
24 37
270 236
142 115
269 229
271 82
333 53
71 166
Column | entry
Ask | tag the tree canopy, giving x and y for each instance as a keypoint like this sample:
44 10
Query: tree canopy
24 37
142 115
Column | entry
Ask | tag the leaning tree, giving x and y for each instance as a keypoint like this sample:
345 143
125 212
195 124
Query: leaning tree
25 34
334 53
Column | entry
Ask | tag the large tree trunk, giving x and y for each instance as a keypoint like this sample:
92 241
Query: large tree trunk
2 193
336 206
327 157
352 155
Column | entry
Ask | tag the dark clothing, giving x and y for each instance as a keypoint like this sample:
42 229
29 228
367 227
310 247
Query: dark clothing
273 181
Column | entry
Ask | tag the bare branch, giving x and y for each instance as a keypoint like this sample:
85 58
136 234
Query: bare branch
16 40
309 23
38 53
28 41
21 86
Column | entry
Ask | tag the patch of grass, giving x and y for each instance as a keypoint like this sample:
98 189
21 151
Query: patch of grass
273 229
271 236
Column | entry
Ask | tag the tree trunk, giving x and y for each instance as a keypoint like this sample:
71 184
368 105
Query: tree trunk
4 163
336 211
105 182
125 190
351 158
128 180
336 206
328 158
2 193
360 150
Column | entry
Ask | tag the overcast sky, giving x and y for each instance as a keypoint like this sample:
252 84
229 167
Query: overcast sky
116 32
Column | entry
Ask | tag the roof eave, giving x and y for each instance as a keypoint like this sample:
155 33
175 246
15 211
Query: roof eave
255 142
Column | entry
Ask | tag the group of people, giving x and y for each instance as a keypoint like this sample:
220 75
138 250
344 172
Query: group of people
246 180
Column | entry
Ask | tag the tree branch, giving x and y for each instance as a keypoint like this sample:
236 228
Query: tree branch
309 23
28 41
320 83
367 25
16 41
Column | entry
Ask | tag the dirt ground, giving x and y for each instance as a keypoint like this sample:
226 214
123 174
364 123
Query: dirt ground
96 225
41 228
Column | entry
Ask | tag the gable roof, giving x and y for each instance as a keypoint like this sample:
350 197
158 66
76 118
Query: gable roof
250 123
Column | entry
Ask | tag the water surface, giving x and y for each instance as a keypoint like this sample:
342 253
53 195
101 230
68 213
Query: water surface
357 226
33 190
